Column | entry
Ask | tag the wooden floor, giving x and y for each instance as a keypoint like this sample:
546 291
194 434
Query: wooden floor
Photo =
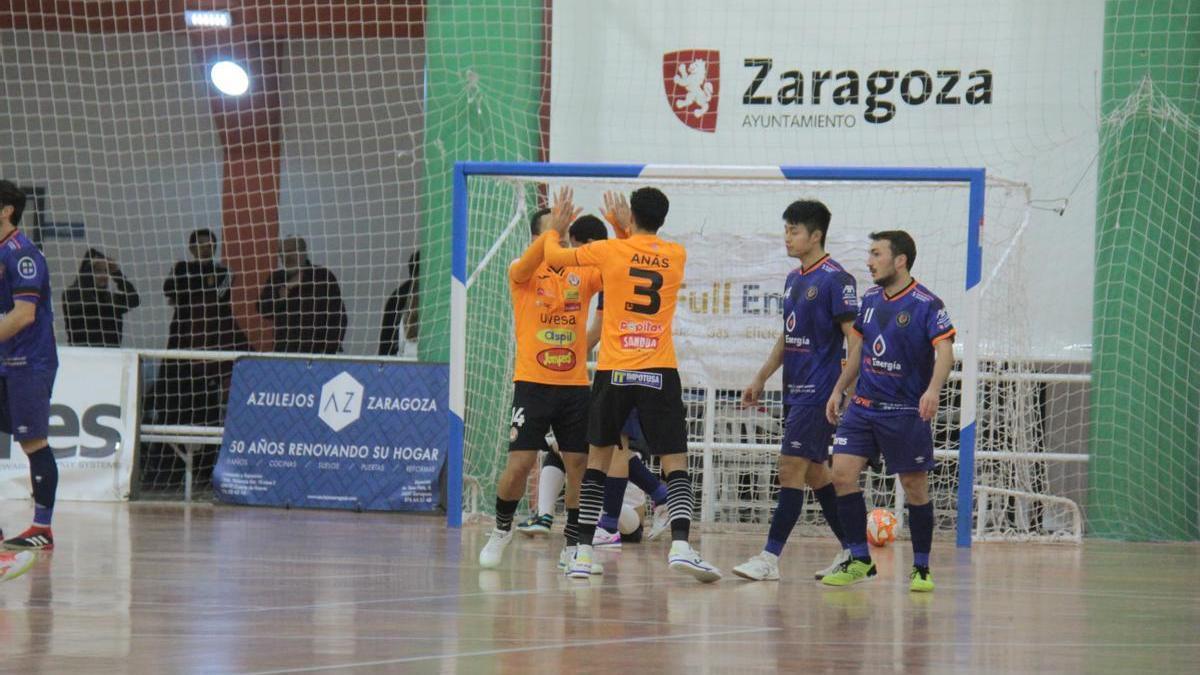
153 588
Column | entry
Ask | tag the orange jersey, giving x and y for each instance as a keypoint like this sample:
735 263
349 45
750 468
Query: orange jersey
550 314
642 275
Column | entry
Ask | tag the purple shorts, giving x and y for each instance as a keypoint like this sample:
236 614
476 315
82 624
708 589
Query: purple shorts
902 437
806 433
25 403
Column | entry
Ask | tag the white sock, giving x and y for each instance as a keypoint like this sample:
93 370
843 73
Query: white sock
550 483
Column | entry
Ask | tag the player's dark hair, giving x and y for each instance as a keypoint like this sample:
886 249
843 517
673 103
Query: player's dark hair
588 228
900 242
534 218
194 237
809 213
649 206
11 195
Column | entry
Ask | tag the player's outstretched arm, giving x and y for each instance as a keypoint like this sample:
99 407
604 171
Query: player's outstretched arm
845 383
751 393
22 316
942 365
523 268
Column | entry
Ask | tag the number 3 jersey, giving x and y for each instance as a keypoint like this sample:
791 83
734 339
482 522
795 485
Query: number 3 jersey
642 275
815 301
897 351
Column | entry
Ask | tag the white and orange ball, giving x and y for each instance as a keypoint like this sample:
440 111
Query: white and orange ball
881 527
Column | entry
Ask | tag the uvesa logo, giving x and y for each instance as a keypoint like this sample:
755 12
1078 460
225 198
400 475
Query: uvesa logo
692 82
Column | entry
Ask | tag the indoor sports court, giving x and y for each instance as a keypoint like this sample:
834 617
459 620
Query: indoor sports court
491 336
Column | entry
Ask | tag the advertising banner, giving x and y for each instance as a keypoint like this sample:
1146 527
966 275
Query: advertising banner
334 434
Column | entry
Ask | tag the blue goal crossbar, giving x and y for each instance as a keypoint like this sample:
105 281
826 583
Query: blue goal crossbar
973 178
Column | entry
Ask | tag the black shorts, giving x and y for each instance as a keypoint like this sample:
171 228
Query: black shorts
538 408
656 394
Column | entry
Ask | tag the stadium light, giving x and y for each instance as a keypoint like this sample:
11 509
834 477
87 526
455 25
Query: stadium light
229 78
207 19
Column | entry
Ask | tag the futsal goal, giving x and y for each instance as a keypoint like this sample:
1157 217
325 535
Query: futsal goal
1000 469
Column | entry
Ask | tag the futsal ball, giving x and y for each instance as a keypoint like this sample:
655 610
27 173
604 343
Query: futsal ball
881 527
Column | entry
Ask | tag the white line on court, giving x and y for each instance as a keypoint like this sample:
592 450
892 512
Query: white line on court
515 650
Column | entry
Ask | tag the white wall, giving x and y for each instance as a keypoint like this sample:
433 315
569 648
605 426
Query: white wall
118 129
608 103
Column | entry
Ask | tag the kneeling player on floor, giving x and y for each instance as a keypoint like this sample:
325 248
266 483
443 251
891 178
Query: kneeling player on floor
550 382
905 355
637 368
819 305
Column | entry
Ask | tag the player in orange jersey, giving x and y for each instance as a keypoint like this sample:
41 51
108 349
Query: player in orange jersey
637 369
550 382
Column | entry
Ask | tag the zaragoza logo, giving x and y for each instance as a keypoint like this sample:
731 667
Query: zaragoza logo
692 81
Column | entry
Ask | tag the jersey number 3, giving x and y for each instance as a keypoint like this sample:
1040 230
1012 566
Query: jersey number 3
650 292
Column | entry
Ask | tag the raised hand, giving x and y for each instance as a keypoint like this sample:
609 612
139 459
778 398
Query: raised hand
617 213
563 211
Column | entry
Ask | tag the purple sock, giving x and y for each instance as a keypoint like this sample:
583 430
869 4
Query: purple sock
645 479
827 496
852 512
614 497
791 501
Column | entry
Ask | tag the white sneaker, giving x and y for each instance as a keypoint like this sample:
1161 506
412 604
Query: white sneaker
684 558
13 565
841 558
762 567
661 522
581 563
605 539
568 555
493 550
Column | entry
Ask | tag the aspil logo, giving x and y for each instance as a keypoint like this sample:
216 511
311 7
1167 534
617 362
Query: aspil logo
692 83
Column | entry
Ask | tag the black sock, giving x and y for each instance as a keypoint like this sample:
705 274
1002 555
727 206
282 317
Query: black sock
920 525
571 531
504 513
852 511
43 475
680 504
591 501
827 496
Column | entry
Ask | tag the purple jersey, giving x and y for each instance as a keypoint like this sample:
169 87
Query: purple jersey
814 301
897 351
24 278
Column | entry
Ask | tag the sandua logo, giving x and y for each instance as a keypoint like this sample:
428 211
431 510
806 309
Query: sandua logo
341 401
879 347
692 82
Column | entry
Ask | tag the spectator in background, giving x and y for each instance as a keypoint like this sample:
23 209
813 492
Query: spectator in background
304 302
198 289
94 313
398 335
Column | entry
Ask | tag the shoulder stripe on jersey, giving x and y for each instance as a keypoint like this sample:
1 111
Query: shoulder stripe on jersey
944 336
9 237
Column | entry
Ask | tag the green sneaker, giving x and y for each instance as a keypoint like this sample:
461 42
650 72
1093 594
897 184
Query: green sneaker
851 572
922 580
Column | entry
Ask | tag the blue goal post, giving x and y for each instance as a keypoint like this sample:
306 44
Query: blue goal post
972 178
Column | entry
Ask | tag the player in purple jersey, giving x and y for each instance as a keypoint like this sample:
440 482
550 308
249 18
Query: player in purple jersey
819 304
28 362
901 363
